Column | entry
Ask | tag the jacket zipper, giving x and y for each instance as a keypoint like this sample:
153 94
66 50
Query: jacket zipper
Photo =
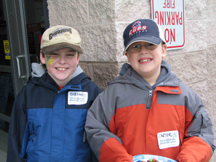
84 136
33 132
148 104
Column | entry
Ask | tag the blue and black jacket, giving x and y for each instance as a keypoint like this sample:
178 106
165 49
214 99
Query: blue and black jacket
47 124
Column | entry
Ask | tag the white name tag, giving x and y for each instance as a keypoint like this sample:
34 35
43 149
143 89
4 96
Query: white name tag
77 98
168 139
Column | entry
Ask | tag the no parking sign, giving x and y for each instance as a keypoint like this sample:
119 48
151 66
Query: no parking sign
169 14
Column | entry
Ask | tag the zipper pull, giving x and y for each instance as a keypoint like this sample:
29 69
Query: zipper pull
148 104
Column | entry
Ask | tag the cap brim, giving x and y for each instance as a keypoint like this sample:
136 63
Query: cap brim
141 38
56 47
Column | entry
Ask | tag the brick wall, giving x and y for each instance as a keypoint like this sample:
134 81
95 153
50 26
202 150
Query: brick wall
101 24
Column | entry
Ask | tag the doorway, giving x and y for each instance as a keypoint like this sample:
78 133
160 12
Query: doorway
22 23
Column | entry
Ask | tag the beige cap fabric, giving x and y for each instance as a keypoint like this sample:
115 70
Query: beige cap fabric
58 37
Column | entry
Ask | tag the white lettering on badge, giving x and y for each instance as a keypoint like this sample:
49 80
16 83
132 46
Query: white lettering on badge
77 98
168 139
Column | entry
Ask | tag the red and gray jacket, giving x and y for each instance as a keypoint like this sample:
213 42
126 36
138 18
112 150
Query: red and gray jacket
131 117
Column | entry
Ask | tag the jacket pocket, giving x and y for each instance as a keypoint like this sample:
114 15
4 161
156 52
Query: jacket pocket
32 136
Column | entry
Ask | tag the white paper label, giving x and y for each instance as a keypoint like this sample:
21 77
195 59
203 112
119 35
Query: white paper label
77 98
168 139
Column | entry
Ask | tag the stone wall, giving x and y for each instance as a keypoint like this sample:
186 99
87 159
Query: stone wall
101 24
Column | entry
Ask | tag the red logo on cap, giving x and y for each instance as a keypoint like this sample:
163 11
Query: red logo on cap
137 27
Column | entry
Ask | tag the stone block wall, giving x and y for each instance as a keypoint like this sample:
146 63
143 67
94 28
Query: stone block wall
101 24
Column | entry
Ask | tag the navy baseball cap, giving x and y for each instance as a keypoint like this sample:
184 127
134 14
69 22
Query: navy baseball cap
143 30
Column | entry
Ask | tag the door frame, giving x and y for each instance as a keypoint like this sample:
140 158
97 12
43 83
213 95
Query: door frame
20 67
17 36
14 11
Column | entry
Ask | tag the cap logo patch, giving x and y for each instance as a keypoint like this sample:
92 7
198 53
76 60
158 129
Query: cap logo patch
137 27
58 32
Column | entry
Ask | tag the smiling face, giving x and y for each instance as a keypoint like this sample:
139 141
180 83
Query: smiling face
61 64
146 62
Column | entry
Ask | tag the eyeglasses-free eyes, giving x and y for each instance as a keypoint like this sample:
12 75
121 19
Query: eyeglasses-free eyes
137 47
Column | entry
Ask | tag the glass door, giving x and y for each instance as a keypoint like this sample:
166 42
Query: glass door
22 23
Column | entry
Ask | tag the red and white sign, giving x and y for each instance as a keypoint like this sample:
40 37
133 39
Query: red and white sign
169 14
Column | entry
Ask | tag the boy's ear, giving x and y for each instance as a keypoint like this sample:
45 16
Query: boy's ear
78 58
164 49
42 58
127 55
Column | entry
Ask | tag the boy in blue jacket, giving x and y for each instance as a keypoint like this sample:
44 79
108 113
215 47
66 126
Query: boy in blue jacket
49 114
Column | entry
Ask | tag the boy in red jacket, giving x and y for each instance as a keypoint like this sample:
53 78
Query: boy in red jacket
147 109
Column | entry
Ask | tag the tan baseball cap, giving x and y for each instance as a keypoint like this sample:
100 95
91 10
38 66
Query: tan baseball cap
59 37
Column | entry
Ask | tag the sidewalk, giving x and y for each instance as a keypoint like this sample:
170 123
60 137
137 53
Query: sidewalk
3 156
3 146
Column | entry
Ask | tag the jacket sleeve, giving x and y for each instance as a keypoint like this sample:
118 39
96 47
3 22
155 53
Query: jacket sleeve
100 130
16 129
198 142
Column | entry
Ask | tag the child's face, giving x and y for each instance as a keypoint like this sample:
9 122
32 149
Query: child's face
146 62
61 64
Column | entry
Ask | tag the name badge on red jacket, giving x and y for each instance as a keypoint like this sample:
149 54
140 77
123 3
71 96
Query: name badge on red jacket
168 139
